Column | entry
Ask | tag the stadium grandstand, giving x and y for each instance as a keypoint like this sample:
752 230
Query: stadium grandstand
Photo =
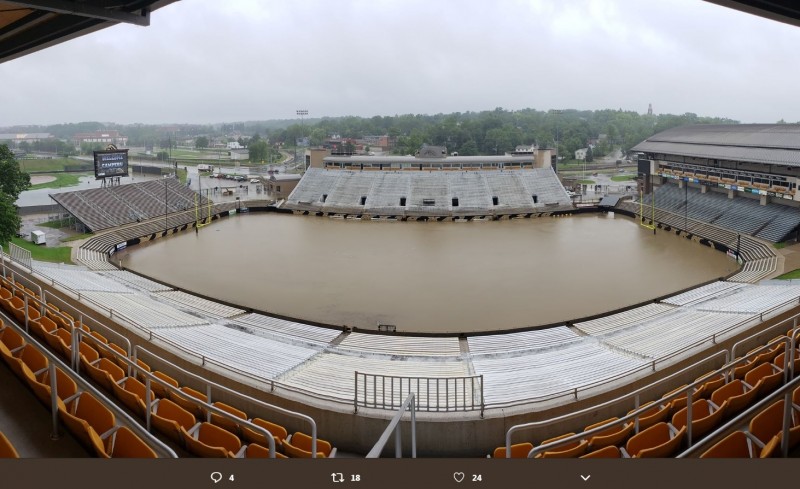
742 177
108 207
432 185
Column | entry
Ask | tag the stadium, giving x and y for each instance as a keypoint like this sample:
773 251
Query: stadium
133 366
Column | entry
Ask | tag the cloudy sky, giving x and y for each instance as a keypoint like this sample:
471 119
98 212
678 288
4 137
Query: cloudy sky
204 61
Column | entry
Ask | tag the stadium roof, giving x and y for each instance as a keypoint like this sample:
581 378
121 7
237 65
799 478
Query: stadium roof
770 144
786 11
27 27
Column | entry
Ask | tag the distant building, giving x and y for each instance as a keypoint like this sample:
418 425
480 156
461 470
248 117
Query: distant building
278 187
314 157
31 137
234 145
239 154
103 137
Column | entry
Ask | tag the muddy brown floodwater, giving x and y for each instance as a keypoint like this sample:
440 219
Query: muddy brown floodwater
432 277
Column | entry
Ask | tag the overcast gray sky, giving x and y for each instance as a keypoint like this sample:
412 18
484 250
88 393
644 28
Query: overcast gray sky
203 61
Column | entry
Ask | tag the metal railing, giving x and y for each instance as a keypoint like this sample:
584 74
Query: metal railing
790 344
119 414
632 416
210 387
394 425
784 392
431 394
21 256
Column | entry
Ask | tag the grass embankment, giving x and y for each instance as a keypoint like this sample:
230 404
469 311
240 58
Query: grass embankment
794 274
51 164
622 178
59 254
61 180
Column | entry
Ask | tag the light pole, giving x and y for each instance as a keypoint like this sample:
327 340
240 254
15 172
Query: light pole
558 112
302 113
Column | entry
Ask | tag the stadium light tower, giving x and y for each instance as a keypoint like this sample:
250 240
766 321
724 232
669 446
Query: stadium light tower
302 113
557 112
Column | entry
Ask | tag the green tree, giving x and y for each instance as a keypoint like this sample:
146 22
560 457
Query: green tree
13 181
258 151
589 155
201 142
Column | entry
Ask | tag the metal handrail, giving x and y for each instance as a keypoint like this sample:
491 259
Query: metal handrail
394 425
209 385
421 387
47 299
119 413
633 415
686 390
740 420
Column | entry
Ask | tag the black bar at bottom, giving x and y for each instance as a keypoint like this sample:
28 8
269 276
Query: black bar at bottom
391 473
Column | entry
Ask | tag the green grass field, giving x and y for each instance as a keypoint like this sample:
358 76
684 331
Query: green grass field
54 164
622 178
794 274
62 180
60 254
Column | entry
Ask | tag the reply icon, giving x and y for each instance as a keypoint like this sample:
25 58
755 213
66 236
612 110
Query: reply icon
216 477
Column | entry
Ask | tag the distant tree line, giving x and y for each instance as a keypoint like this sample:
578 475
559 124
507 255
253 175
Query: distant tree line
469 133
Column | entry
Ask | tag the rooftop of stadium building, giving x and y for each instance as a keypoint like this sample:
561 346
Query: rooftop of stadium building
770 144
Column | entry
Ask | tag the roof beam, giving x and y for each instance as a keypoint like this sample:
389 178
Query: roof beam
90 11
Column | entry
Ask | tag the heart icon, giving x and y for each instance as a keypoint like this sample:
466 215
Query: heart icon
458 476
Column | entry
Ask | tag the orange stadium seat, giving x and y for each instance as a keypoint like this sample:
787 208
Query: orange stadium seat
518 450
767 423
766 374
105 372
30 363
169 418
278 432
90 421
60 342
570 450
611 451
208 440
7 450
614 435
226 423
254 450
657 414
736 394
735 445
795 365
299 446
711 384
158 388
656 441
66 388
10 343
132 393
704 417
189 400
42 327
125 444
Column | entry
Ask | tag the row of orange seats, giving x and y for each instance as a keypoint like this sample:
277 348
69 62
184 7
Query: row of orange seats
104 364
663 427
88 419
763 436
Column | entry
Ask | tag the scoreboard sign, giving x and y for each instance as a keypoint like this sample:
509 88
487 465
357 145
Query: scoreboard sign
112 163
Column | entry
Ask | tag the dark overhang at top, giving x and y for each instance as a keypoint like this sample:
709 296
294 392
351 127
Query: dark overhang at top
27 27
786 11
769 144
